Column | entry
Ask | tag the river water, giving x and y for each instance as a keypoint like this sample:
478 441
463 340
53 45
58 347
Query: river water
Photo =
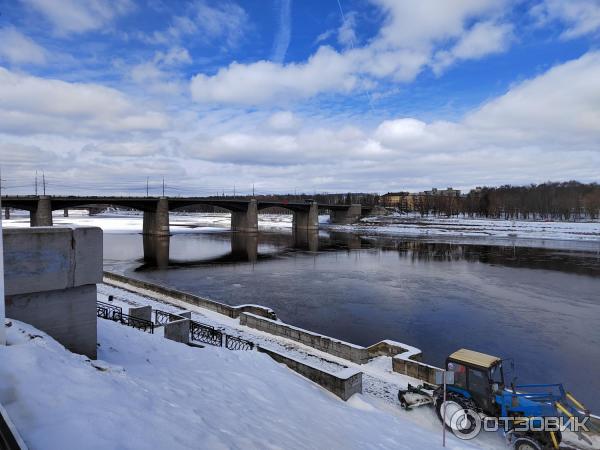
540 306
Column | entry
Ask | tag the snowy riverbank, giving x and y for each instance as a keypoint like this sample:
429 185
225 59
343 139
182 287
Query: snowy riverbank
147 392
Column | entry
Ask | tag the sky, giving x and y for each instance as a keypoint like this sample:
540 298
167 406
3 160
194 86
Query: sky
103 96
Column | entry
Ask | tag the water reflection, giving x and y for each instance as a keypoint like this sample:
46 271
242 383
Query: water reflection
188 250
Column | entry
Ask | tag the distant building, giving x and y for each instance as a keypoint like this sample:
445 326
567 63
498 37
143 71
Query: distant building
402 200
449 192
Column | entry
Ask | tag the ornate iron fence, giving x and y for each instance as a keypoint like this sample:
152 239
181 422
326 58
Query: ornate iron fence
134 322
115 313
236 343
163 317
206 334
106 310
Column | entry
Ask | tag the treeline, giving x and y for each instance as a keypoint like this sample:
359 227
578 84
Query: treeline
557 201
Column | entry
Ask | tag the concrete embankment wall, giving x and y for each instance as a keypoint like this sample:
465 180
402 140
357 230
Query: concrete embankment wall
344 383
153 289
405 359
50 278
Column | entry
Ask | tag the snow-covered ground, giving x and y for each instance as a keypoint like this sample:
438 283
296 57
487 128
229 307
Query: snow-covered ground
147 392
442 227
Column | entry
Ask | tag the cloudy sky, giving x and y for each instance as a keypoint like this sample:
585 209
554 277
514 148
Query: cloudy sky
297 95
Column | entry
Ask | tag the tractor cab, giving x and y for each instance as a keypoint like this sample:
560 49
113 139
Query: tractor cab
476 376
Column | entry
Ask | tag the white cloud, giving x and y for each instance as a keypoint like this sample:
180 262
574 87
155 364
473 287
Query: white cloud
266 81
31 104
74 16
17 48
402 48
581 16
283 121
224 22
482 39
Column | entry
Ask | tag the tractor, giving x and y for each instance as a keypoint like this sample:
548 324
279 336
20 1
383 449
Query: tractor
479 390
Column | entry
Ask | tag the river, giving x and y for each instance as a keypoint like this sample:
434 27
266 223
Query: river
540 306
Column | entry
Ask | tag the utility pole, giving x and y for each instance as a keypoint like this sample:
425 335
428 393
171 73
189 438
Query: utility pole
36 191
234 191
147 188
163 186
252 190
44 182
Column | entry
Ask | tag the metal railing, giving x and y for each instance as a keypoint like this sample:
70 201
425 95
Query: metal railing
236 343
106 310
163 317
206 334
115 313
199 332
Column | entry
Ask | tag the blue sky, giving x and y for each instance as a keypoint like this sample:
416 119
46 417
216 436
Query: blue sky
371 95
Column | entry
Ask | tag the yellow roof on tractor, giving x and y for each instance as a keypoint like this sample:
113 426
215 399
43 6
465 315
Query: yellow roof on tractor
474 358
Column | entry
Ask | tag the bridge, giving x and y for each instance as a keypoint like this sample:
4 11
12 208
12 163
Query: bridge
244 213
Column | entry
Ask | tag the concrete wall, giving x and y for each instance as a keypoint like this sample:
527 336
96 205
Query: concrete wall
178 330
346 350
42 215
139 286
405 359
344 384
141 312
307 220
50 281
247 220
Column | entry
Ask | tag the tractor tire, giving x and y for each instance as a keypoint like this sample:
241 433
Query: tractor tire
454 403
527 443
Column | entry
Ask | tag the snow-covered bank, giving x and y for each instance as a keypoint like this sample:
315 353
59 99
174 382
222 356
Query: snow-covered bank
148 392
443 227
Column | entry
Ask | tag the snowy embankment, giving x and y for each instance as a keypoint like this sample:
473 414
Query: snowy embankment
147 392
398 225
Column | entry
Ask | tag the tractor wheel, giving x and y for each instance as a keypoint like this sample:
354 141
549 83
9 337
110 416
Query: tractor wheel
527 443
454 404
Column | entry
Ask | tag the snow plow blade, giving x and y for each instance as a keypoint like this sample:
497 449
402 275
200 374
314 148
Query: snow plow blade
415 396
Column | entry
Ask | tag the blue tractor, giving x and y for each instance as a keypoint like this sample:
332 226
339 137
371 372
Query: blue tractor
479 390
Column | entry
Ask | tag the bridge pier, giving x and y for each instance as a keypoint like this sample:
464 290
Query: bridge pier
245 220
307 220
156 221
156 250
41 216
346 216
7 213
245 246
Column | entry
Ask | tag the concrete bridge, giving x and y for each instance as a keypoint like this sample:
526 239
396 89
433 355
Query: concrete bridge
244 213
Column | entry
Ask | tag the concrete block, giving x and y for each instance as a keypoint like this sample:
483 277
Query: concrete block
141 312
50 258
68 315
88 255
178 330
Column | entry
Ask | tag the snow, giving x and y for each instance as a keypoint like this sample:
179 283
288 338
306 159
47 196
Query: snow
149 392
395 225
